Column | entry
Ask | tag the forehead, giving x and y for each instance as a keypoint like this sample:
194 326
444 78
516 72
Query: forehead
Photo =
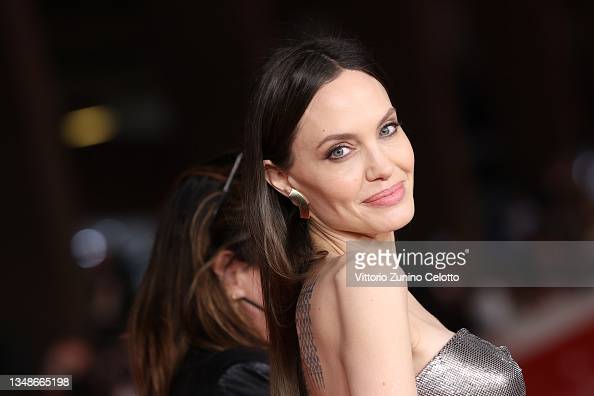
351 101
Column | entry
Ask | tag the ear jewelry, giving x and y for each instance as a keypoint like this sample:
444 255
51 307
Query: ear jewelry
299 200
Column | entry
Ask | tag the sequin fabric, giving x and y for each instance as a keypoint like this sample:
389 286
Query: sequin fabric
471 366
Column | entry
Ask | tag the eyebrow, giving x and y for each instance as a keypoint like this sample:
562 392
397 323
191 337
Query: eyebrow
342 136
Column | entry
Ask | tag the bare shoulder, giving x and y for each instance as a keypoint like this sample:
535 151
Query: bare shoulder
395 296
341 326
373 322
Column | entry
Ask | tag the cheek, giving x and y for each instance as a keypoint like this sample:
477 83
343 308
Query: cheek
253 283
403 154
336 189
408 161
409 154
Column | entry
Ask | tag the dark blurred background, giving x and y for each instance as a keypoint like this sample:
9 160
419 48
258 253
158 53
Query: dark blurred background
105 102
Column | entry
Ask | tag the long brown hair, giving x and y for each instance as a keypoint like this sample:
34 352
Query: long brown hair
180 301
284 89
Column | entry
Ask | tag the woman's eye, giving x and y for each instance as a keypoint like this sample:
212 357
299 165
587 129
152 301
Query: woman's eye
389 129
338 152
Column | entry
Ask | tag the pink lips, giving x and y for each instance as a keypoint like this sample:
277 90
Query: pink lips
389 196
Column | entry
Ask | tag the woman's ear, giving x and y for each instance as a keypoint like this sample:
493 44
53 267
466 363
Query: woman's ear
220 263
277 178
231 273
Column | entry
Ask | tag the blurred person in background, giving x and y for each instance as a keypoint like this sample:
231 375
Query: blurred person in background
197 325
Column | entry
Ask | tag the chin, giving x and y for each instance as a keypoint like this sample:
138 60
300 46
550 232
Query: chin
396 218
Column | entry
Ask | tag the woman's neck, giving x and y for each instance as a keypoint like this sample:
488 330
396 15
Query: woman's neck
335 242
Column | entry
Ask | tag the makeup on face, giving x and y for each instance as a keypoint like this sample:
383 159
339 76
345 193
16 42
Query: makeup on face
388 197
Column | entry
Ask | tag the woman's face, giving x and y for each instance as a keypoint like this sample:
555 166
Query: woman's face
348 148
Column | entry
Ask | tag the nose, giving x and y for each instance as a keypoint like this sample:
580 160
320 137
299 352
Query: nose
379 165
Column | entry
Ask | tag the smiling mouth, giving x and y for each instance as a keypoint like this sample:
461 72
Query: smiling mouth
393 191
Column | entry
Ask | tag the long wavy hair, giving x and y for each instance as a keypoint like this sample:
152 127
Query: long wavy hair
285 86
181 302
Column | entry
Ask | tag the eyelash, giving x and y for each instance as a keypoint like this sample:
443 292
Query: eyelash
333 149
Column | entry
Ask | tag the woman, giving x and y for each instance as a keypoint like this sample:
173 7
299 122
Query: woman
197 325
327 161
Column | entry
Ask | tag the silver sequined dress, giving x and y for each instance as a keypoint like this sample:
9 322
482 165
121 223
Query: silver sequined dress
471 366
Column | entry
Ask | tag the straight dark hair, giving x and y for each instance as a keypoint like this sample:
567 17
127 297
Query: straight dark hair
281 240
180 302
